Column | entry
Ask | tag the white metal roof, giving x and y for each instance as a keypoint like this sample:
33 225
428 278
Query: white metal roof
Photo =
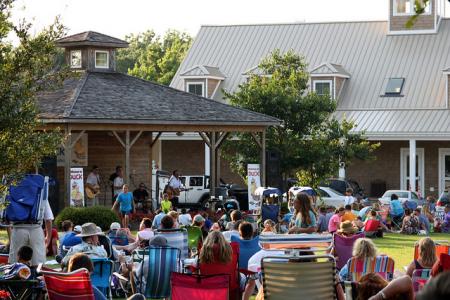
363 49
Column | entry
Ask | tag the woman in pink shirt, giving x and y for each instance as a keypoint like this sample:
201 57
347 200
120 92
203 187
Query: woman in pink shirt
335 220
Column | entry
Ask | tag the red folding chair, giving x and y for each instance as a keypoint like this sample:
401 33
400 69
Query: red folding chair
4 259
199 287
75 285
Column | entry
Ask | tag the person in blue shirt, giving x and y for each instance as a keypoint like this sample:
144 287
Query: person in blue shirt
126 205
397 210
305 220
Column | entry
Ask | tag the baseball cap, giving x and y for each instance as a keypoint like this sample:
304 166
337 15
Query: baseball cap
114 226
77 229
199 218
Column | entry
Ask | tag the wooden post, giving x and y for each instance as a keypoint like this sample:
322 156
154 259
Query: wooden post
212 181
67 163
263 158
127 157
151 168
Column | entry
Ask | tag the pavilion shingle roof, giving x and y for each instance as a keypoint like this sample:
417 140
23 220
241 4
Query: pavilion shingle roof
119 97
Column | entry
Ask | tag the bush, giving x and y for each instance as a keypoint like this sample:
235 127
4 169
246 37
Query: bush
100 215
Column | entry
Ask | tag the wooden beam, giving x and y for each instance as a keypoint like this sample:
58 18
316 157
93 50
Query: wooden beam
221 139
151 172
135 138
257 139
212 181
75 140
153 141
205 138
118 138
67 163
127 157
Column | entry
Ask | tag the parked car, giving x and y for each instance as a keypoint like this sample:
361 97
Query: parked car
403 195
196 190
341 185
327 196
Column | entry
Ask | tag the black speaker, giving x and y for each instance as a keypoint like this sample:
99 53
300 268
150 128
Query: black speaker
48 168
273 169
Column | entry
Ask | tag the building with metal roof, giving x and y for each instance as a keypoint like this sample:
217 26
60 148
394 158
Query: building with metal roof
391 79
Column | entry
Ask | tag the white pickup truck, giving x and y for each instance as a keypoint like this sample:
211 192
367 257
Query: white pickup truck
196 190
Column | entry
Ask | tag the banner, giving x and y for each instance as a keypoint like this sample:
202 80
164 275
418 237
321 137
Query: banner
79 154
76 187
254 182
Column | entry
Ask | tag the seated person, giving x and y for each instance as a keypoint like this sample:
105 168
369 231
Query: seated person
90 244
348 214
174 239
141 196
445 227
52 248
67 227
71 239
185 218
362 249
372 286
322 224
235 216
157 219
233 232
427 256
424 223
120 236
144 235
79 261
373 226
410 224
358 223
174 216
269 227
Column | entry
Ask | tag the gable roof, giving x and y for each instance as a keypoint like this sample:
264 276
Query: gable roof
91 38
330 69
206 71
120 98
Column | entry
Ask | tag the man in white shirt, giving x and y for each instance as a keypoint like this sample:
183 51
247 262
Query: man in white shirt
349 199
118 182
93 183
185 218
176 186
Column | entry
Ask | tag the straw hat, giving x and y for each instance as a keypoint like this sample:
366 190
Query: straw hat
89 229
347 227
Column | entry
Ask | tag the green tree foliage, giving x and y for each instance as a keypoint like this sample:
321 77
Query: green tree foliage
308 137
25 70
419 9
154 58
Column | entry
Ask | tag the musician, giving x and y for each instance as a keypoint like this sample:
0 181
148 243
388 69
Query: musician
93 185
141 196
176 186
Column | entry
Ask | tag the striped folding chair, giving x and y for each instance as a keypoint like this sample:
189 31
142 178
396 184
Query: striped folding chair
177 238
296 242
161 262
383 265
74 285
299 277
420 278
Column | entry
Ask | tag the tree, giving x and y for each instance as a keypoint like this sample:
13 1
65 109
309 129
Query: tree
307 138
25 70
419 9
154 58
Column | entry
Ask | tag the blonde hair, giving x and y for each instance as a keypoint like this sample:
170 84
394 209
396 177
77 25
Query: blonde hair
173 214
364 248
427 251
124 186
215 239
426 209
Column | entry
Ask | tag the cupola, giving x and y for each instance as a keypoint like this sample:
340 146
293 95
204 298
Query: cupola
329 79
202 80
91 51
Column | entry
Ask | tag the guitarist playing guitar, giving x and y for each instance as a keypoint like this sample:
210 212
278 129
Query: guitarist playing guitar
92 186
176 186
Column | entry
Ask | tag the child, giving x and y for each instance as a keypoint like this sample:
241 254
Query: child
268 227
24 255
125 200
166 205
322 224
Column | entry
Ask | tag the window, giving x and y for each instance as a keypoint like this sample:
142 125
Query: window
101 59
323 87
394 86
323 193
407 7
75 58
196 181
195 88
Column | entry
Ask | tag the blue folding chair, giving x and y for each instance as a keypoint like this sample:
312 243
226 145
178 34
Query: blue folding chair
177 238
101 277
161 262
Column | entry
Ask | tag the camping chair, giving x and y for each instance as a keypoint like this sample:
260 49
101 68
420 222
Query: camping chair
247 248
441 247
101 277
420 278
343 247
195 237
21 289
177 238
199 287
4 259
230 269
383 265
161 262
311 276
58 287
296 243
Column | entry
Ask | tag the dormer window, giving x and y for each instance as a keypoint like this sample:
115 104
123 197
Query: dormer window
196 88
75 59
407 7
323 87
395 86
101 59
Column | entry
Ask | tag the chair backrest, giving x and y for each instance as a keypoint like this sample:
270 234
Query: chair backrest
247 248
176 238
420 278
199 287
101 277
383 265
312 242
74 285
343 247
162 261
4 259
441 247
310 276
270 211
195 236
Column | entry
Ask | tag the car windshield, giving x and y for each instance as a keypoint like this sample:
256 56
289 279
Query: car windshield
398 193
336 192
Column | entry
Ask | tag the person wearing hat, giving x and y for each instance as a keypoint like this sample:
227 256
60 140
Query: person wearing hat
347 229
89 244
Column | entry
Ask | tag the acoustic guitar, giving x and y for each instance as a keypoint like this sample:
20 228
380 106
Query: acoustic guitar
92 192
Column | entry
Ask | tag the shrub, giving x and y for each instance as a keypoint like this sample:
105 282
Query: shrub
100 215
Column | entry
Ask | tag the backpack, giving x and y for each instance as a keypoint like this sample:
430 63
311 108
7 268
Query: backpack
27 199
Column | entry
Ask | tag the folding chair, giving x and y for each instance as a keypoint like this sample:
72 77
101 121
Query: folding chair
230 269
383 265
247 248
74 285
420 278
177 238
304 277
296 242
101 277
441 247
161 262
199 287
343 247
21 289
4 259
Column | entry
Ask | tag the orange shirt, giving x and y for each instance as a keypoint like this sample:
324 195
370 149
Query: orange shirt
348 216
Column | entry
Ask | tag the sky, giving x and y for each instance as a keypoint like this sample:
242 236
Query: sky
122 17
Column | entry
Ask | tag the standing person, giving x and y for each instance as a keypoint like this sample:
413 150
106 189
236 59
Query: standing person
335 220
117 182
93 185
445 227
126 204
349 199
166 205
176 186
141 197
304 216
